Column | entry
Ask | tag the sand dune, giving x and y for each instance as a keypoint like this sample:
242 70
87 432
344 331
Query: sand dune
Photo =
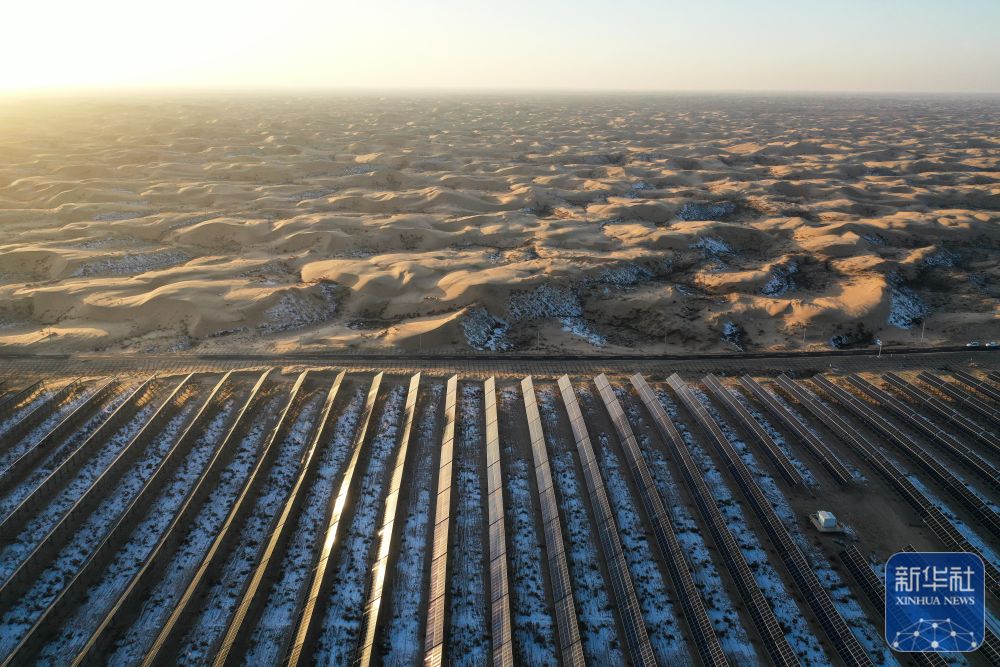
490 222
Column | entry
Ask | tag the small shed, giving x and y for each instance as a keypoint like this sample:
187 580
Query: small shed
825 522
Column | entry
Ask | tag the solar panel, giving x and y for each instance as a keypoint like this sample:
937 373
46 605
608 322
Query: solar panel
132 597
12 399
388 534
947 412
165 644
38 412
947 533
851 436
977 384
833 624
864 575
874 589
914 451
571 650
438 590
627 604
757 605
746 420
816 445
936 434
938 523
666 539
961 396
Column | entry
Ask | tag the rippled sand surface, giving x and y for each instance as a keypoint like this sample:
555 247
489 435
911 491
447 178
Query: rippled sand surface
492 222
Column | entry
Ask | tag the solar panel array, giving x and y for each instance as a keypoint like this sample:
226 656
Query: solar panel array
167 643
852 437
982 387
57 537
503 653
309 616
130 601
437 598
760 611
388 533
666 539
253 592
945 531
61 476
570 649
816 596
958 489
751 426
961 396
15 397
626 602
938 523
813 443
37 412
875 590
74 592
115 426
950 414
932 431
18 469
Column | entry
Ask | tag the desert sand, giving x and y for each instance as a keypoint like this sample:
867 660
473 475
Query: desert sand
498 222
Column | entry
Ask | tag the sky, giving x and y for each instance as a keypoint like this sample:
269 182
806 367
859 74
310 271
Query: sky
648 45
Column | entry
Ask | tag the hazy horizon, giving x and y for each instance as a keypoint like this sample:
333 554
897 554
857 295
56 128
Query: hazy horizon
445 45
125 94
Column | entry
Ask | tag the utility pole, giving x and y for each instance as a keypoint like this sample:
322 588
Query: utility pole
923 324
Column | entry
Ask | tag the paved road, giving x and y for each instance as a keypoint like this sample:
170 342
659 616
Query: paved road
13 365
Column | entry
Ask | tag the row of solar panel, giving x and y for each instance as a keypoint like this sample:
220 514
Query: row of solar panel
928 428
680 574
950 414
913 451
570 647
812 442
436 632
819 601
499 586
633 627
